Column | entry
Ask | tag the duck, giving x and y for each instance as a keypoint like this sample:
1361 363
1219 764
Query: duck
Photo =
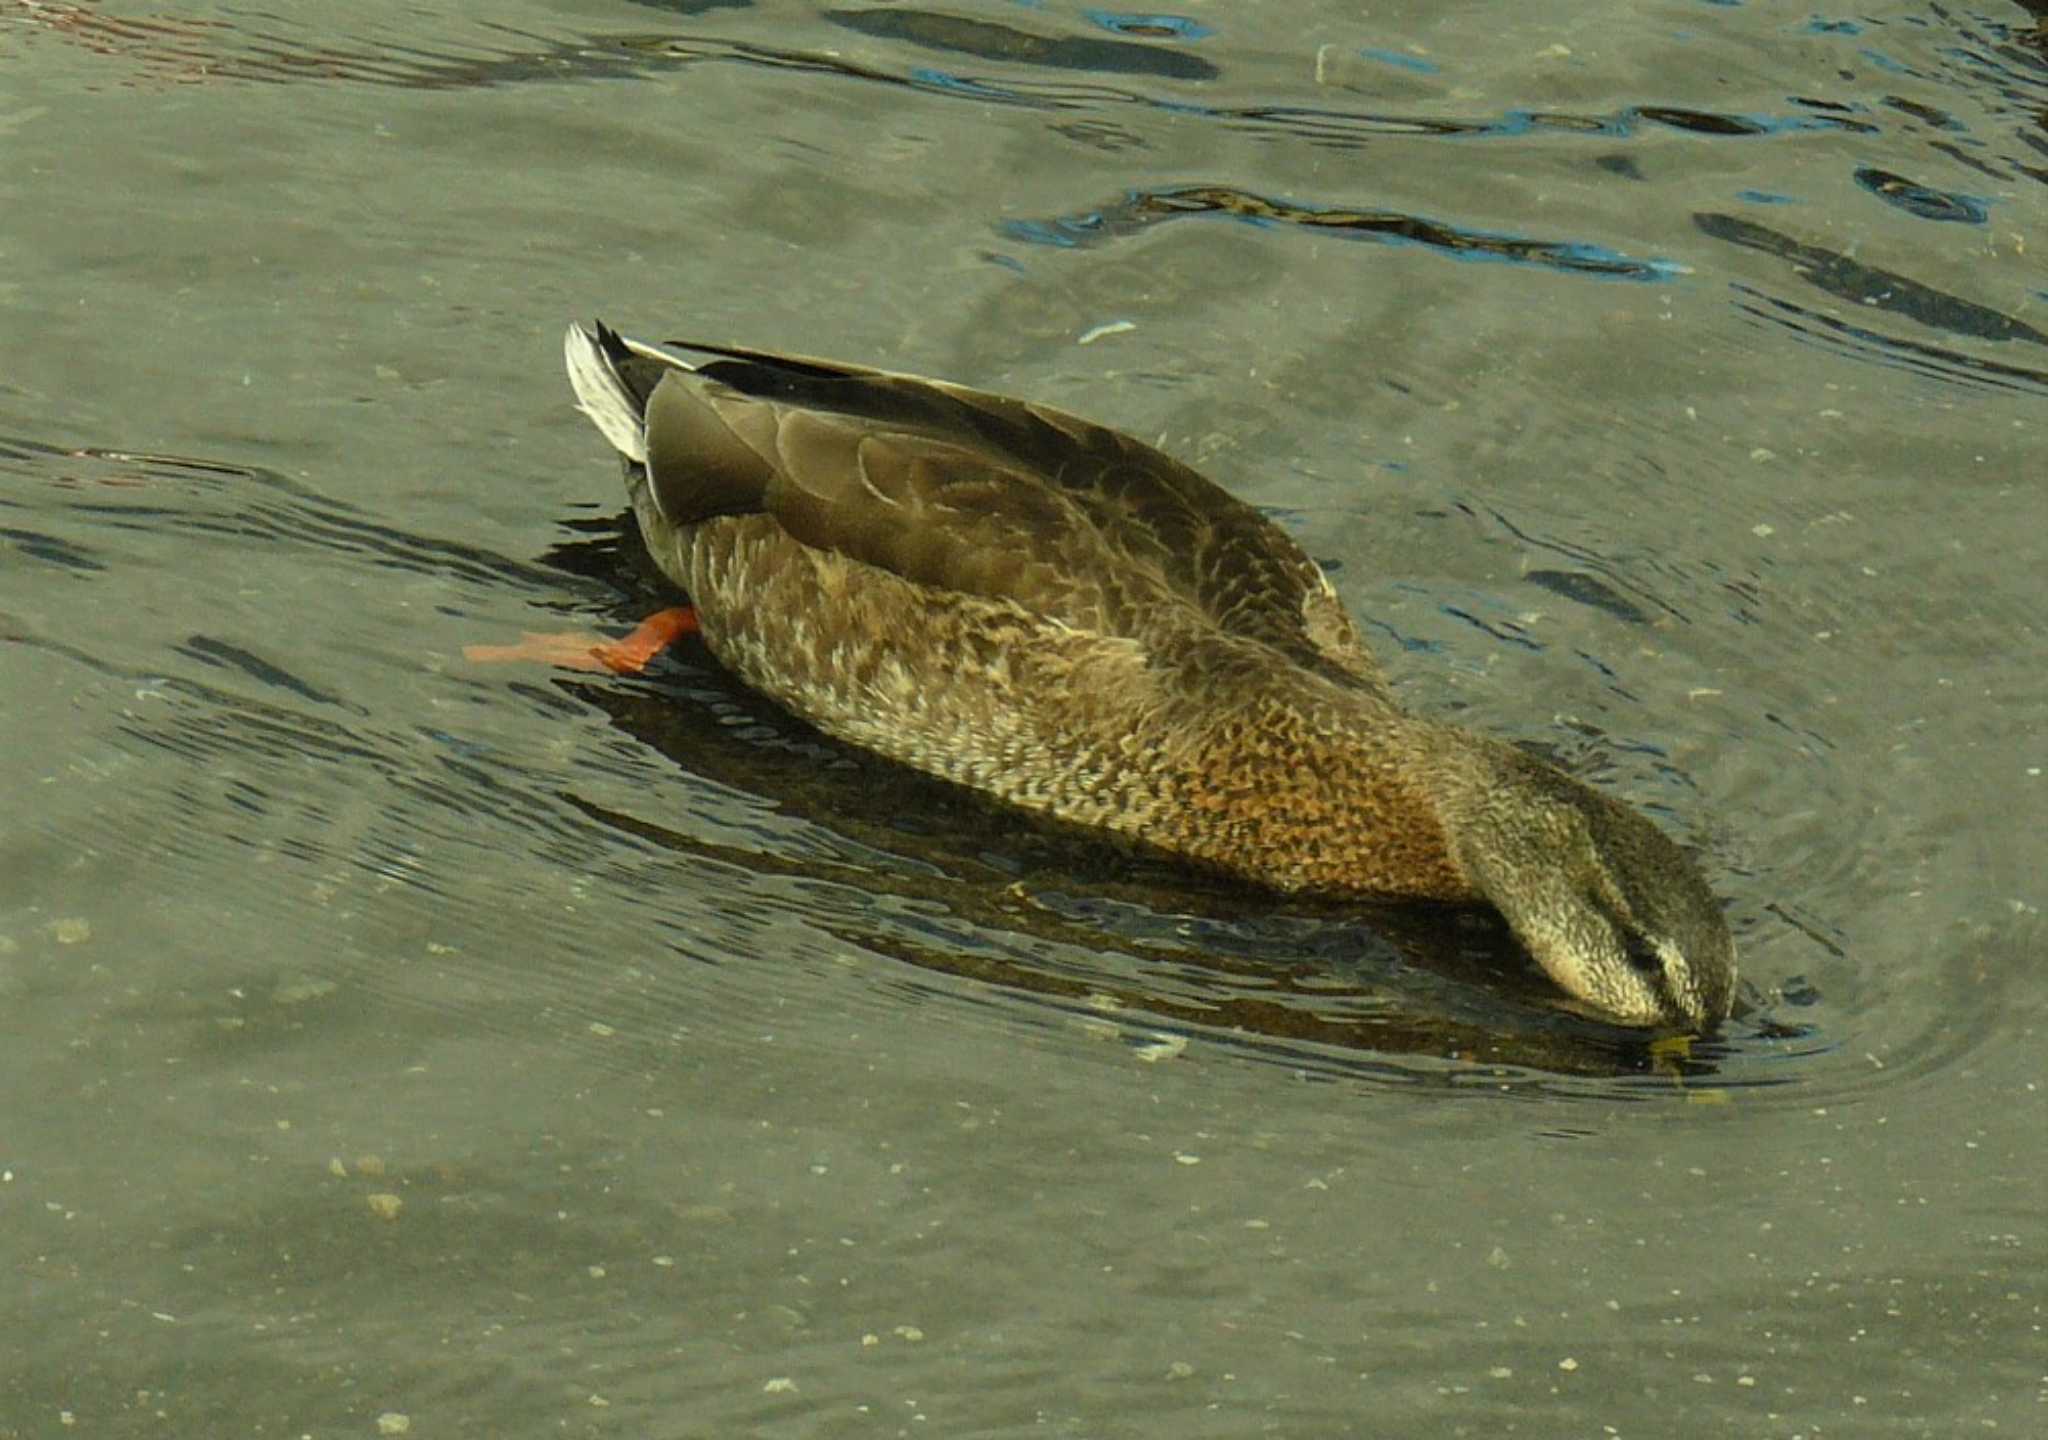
1070 621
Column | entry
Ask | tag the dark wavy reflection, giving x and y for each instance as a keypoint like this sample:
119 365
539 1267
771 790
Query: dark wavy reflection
214 51
1143 209
1923 201
1871 289
121 490
1935 362
1868 287
956 34
2000 62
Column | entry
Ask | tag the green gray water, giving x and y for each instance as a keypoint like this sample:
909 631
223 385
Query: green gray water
395 1040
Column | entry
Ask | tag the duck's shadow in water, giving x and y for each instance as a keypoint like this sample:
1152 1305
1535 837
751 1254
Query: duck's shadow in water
1314 985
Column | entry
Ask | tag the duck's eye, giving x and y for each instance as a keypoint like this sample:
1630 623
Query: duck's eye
1642 956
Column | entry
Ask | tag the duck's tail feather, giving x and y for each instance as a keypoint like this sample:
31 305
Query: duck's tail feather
702 447
613 378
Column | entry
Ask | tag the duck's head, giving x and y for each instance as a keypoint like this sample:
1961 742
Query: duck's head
1615 913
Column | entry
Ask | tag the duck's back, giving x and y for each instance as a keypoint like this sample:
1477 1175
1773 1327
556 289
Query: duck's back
978 495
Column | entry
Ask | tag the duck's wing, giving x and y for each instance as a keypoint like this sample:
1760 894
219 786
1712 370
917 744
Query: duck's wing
968 491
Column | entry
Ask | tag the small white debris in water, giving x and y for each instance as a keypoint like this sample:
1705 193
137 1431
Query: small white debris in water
393 1422
301 990
1161 1047
1763 531
384 1205
1181 1157
1567 1364
1114 327
780 1385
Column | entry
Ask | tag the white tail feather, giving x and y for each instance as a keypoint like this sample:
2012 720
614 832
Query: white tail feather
602 396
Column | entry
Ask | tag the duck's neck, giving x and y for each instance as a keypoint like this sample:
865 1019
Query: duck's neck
1325 789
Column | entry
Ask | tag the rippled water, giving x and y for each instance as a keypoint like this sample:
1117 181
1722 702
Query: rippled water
398 1038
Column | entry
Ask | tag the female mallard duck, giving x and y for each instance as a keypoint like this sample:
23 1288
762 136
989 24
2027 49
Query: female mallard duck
1041 608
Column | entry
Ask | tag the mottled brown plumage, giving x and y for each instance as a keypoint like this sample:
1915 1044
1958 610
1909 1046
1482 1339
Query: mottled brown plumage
1061 616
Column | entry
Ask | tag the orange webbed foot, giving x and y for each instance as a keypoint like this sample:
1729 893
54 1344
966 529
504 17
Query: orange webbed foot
652 636
581 650
568 649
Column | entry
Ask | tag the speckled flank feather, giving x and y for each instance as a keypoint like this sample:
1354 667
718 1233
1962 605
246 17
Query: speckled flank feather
1133 745
1049 611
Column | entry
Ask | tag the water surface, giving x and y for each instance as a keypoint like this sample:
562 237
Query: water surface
398 1039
